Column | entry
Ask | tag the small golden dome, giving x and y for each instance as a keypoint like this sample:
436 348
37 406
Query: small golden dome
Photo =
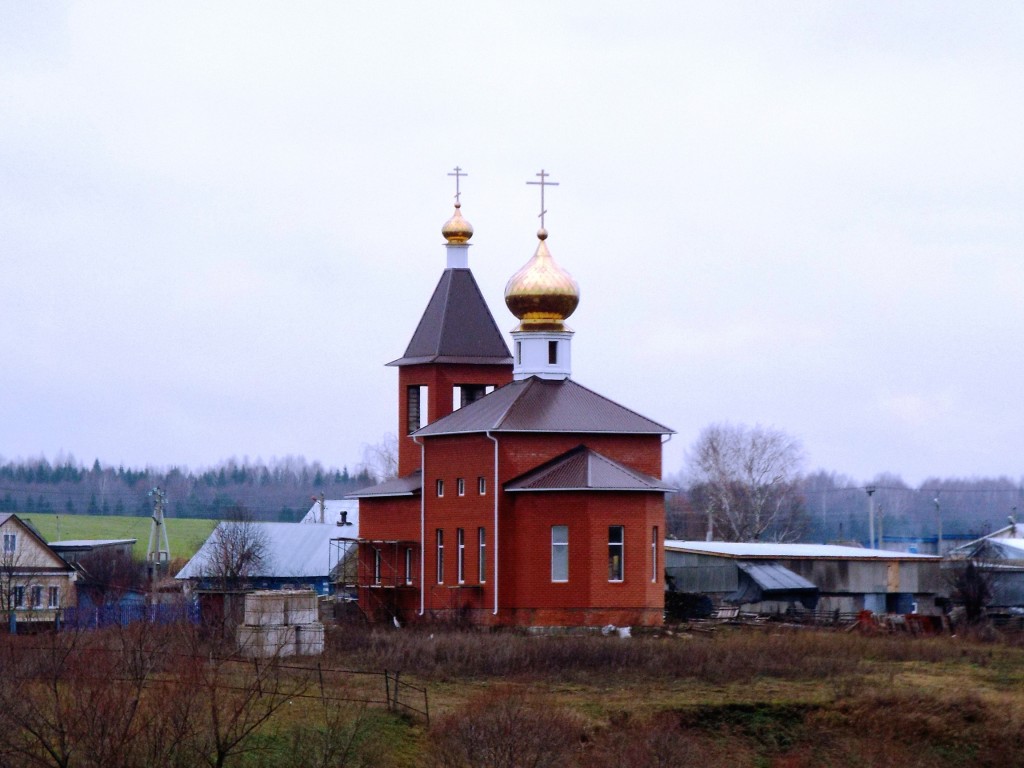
542 294
457 230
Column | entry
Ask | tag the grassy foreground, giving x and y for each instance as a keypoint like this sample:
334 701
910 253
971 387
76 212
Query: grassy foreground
185 535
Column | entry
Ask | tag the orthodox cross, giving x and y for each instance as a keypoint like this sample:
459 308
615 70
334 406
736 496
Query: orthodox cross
543 184
458 175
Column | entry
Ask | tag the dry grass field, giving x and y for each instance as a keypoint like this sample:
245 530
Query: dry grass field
727 696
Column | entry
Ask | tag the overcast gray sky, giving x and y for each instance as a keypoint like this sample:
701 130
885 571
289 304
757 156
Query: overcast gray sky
219 220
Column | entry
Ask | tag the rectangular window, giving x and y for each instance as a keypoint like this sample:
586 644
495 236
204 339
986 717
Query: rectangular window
37 596
440 488
481 556
19 597
519 353
408 565
416 405
10 543
560 553
460 486
376 565
460 539
615 551
552 353
54 597
440 556
481 485
654 554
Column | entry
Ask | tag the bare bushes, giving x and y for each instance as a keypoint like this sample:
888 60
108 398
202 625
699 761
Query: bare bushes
504 728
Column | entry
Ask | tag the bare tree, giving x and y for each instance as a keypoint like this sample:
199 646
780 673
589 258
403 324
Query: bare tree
381 459
746 482
236 551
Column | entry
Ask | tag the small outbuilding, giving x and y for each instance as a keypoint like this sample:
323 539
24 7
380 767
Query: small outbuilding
763 577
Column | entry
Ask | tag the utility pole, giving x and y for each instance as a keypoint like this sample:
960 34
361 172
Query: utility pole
938 525
158 554
871 515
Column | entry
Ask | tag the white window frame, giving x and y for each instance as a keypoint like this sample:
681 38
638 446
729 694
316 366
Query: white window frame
617 570
481 555
559 552
460 486
460 540
54 597
36 596
19 596
439 488
408 565
376 565
481 485
440 555
654 555
10 543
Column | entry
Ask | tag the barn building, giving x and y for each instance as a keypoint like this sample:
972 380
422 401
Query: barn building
769 577
523 497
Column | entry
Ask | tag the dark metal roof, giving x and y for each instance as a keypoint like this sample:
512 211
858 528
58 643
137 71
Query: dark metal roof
542 405
409 485
456 327
583 469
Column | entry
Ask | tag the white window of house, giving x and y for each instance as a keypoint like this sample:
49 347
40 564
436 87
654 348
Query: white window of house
408 565
460 537
10 543
616 547
460 486
19 597
54 597
440 556
519 353
440 488
36 595
376 565
481 555
481 485
560 553
654 554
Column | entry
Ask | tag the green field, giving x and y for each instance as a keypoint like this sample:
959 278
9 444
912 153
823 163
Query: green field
185 535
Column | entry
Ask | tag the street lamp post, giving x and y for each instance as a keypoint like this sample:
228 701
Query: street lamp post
871 515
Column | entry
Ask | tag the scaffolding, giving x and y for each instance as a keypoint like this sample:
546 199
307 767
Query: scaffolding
379 581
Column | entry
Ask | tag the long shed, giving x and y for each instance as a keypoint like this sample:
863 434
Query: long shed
774 577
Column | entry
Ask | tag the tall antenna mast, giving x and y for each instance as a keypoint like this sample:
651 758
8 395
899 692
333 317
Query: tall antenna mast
158 555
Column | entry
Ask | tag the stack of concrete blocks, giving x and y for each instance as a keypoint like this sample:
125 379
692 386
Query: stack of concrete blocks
281 623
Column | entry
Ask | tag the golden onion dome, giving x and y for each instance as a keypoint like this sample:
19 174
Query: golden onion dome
542 294
457 230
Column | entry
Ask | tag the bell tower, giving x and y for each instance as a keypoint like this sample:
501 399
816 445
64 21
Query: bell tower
457 354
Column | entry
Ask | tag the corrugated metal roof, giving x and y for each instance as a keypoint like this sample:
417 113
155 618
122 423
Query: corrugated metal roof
456 326
302 550
772 577
771 550
585 469
542 405
409 485
90 542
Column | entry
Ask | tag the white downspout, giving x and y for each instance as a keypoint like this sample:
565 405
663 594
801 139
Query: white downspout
423 523
495 491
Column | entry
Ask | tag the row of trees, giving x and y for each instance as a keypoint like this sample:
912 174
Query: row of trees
276 490
747 484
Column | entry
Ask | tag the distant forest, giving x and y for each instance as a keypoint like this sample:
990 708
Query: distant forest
279 491
835 507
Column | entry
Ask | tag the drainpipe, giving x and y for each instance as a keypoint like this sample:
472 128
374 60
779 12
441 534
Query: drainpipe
423 522
489 437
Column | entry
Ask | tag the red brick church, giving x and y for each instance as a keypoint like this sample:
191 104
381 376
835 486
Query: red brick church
522 497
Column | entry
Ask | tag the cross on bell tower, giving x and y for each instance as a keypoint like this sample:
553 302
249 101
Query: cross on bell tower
458 174
542 183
